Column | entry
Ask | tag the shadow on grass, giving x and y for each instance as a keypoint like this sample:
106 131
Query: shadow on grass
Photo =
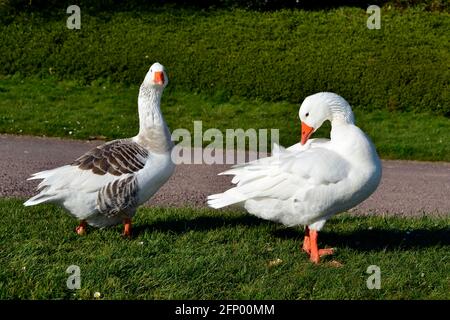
200 224
375 239
362 240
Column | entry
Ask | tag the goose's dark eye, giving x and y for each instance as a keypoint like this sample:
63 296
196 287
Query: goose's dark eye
307 114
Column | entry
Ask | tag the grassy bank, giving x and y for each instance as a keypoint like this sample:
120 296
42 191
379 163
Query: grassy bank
67 109
203 254
273 56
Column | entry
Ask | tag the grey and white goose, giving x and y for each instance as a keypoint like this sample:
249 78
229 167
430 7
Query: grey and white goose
106 185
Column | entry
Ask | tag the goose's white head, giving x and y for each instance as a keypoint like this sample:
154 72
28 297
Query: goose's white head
322 106
156 77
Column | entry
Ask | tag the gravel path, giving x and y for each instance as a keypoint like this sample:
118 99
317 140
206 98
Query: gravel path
407 187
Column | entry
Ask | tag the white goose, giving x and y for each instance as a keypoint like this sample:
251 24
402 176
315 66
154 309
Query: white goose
105 186
309 182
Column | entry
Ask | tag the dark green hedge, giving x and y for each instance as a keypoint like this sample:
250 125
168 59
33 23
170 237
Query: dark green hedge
282 55
262 5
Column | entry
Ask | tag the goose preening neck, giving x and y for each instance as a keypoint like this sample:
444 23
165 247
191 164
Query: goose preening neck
345 137
340 111
323 106
153 131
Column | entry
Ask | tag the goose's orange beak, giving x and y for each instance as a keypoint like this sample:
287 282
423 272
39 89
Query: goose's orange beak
159 77
307 131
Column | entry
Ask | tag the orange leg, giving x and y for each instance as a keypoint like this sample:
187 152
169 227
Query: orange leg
316 253
126 228
307 242
81 229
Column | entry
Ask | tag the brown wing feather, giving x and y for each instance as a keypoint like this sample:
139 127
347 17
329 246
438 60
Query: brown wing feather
118 196
116 157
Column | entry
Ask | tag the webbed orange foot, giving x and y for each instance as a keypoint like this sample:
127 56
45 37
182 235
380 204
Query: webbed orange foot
81 229
126 228
315 252
307 242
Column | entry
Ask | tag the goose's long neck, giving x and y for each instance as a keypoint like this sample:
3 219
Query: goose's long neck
150 116
351 142
342 115
153 131
342 122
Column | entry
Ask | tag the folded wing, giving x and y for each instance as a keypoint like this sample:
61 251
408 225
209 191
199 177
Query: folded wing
295 174
104 179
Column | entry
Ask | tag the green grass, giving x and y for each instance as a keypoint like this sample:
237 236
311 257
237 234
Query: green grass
204 254
67 109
